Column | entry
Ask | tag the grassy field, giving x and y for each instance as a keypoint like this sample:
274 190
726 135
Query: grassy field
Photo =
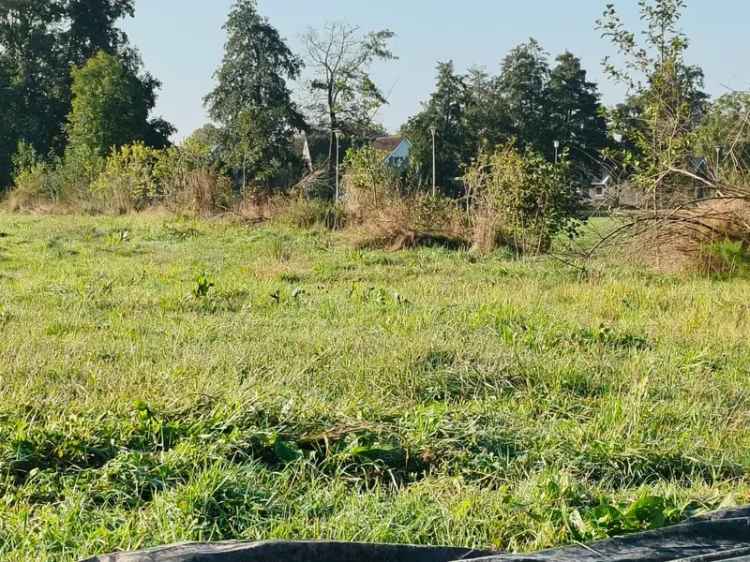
166 380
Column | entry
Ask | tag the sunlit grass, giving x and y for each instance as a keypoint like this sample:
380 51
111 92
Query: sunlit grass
166 380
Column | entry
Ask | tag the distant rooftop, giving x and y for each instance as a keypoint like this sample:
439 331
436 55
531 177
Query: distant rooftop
387 144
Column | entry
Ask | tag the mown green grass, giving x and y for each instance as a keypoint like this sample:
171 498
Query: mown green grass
167 380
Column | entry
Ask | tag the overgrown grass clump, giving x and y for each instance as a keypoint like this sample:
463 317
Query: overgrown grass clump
167 380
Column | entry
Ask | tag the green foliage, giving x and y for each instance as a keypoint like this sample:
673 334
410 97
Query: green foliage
732 257
8 135
109 106
34 183
302 212
446 111
344 95
521 198
575 118
528 101
523 82
658 122
39 43
644 514
725 127
34 58
93 27
370 176
128 181
133 177
252 100
38 181
203 286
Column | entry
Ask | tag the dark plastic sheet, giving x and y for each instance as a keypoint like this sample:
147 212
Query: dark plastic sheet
720 536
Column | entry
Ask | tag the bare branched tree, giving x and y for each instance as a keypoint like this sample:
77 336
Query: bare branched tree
344 95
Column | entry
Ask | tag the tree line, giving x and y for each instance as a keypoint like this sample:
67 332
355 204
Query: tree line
42 47
72 88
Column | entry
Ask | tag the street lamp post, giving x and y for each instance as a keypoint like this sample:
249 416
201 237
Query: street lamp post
557 152
337 132
433 131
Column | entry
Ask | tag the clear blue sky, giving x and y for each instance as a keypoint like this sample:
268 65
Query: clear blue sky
182 42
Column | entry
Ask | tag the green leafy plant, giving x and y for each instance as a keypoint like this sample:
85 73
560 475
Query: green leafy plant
609 519
203 286
128 181
520 199
730 257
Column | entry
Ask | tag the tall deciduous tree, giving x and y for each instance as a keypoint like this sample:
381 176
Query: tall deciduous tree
110 106
344 95
724 137
93 27
34 57
8 134
40 41
667 101
252 100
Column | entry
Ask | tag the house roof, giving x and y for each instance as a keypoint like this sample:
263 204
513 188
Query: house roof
387 144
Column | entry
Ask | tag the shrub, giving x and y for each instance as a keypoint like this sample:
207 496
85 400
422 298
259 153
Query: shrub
712 236
730 257
77 172
202 192
136 176
519 199
189 181
35 181
385 213
370 182
128 181
32 186
38 182
307 213
413 220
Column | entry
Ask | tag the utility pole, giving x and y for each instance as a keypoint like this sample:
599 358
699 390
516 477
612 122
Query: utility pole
433 130
557 152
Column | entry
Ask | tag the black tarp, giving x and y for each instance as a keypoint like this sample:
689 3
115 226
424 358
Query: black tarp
719 536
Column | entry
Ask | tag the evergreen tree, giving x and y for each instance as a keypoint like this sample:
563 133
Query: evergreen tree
575 115
446 111
252 100
523 87
488 119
